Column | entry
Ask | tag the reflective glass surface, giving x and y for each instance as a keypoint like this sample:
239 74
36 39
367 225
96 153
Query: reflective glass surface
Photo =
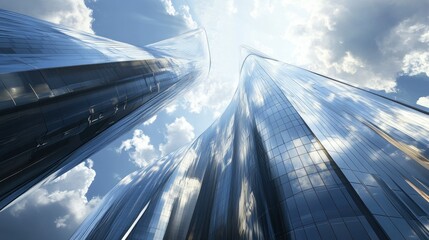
295 155
66 94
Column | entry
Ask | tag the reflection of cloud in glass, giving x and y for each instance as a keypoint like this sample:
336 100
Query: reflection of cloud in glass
141 152
247 205
304 153
64 201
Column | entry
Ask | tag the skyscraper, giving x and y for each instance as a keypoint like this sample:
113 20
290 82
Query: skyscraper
64 94
295 155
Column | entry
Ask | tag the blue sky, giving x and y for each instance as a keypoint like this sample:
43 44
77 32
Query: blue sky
381 45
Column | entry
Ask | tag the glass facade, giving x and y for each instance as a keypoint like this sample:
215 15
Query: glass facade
66 94
295 155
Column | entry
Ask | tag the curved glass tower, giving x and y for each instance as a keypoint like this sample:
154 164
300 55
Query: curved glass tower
295 155
65 94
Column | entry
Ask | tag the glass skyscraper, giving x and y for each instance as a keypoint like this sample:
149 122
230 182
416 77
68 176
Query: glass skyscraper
295 155
65 94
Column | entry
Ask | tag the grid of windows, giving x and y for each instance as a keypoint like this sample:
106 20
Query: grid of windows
66 94
378 171
27 43
312 194
297 155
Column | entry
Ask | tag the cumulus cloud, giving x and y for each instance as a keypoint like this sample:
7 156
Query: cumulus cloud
179 133
183 12
140 151
187 17
169 8
415 63
213 95
423 101
335 38
340 39
171 108
70 13
66 195
150 121
348 64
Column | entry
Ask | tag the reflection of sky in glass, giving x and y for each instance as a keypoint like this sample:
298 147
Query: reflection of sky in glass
391 125
82 106
261 169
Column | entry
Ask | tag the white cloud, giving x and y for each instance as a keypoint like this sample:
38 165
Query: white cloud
169 8
348 64
171 108
66 194
141 152
179 133
212 95
187 17
61 221
415 63
424 38
70 13
338 38
423 101
329 37
150 121
183 12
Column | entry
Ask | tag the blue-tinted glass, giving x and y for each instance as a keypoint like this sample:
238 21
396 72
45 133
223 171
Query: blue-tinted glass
285 159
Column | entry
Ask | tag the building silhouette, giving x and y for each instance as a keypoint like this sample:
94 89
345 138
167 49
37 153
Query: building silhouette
65 94
295 155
